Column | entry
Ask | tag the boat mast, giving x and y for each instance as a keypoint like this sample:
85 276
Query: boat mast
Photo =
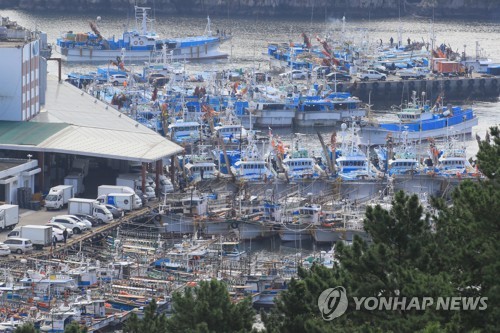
208 29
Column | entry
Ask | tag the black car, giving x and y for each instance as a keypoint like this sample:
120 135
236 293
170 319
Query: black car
338 76
89 218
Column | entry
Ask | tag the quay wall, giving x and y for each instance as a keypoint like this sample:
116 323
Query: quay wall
319 9
452 88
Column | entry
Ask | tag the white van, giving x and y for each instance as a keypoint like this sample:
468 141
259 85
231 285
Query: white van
117 79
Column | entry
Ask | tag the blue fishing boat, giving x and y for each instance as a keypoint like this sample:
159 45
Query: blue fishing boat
421 122
140 44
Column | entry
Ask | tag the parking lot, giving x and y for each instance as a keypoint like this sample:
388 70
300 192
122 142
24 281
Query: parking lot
31 217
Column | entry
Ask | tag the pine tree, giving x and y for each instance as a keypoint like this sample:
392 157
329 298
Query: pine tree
208 308
25 328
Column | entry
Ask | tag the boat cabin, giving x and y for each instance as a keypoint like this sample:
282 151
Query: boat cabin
184 131
310 214
251 169
200 170
401 166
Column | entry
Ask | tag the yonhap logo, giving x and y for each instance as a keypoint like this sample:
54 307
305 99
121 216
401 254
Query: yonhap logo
332 303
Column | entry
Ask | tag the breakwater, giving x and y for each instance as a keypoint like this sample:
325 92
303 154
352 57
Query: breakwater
453 88
319 9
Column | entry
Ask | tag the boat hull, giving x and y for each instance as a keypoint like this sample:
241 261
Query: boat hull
325 235
293 235
274 118
250 231
78 54
177 224
325 118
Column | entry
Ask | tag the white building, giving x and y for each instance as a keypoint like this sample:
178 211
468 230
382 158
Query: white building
20 68
16 173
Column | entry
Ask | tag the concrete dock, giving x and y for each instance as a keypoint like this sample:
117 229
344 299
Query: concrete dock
396 90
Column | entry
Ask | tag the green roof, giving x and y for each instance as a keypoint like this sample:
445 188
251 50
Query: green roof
27 133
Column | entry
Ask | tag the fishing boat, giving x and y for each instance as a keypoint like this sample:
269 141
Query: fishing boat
450 161
141 44
273 113
352 162
327 111
184 132
399 160
421 122
299 226
252 165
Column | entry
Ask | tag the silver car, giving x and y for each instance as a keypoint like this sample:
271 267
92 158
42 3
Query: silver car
19 245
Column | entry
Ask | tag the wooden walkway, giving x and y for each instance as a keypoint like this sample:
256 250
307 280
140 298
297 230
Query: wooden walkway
79 239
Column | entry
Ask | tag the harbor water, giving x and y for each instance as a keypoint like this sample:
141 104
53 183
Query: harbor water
250 36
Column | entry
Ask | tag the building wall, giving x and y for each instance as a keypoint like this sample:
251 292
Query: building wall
10 83
19 81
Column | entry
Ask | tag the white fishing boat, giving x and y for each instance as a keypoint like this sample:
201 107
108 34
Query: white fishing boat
273 113
312 111
184 132
352 162
299 226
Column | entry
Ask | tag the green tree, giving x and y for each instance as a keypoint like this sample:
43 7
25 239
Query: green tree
208 308
74 327
25 328
152 322
468 239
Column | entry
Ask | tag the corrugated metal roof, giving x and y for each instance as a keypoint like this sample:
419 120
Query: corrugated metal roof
27 133
95 129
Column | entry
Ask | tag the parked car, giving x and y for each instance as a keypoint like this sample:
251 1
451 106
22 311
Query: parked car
19 245
4 250
68 222
160 81
61 228
89 218
88 224
338 76
296 74
117 212
371 75
117 79
322 71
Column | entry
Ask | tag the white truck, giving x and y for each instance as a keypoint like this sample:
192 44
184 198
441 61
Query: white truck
371 75
89 207
80 165
412 73
107 189
9 216
58 196
76 180
134 183
137 176
124 201
39 235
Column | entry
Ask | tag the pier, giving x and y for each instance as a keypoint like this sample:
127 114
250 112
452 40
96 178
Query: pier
78 240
